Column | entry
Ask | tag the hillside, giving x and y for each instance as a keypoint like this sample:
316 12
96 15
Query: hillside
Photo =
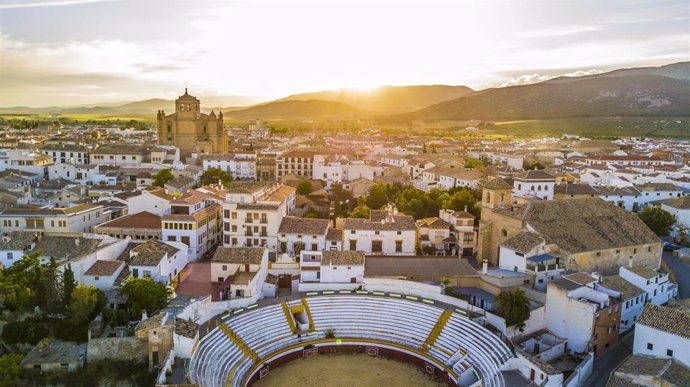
680 70
295 109
393 99
601 95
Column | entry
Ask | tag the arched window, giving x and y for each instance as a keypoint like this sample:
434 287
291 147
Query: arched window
504 232
488 197
503 197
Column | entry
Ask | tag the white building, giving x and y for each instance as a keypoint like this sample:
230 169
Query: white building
253 212
195 220
655 283
241 271
299 234
158 260
78 219
66 153
586 317
332 266
663 332
386 232
103 274
241 166
633 299
534 183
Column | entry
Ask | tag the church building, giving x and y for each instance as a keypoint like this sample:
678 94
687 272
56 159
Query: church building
191 130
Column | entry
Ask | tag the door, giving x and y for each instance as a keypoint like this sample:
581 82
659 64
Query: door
285 281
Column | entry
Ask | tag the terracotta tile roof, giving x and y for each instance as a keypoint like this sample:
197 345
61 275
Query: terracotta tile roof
575 189
681 203
666 319
523 242
295 225
497 184
240 255
580 278
434 223
534 175
341 258
644 272
581 225
104 268
619 284
415 266
334 234
142 219
150 253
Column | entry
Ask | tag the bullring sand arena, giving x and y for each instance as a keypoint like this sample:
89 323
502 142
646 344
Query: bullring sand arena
347 370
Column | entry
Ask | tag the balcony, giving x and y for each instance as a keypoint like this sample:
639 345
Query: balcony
533 269
263 220
248 220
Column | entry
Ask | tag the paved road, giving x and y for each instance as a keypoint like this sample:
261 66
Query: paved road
681 271
606 363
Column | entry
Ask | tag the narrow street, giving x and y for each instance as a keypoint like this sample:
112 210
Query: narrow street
681 271
606 363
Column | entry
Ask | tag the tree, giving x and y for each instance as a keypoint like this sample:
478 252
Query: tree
534 165
19 282
84 304
657 220
378 196
162 177
513 306
304 187
143 294
30 331
10 370
48 294
213 175
343 201
461 200
473 163
68 285
361 211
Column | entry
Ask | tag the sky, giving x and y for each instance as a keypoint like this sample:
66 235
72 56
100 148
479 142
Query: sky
70 52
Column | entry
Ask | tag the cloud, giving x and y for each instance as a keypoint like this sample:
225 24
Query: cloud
56 3
559 31
527 79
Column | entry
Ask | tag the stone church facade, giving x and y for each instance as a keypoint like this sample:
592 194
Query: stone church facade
191 130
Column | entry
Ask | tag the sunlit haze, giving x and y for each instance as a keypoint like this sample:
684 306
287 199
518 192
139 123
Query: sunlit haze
76 52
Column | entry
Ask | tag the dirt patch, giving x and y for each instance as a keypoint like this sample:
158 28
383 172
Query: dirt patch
347 370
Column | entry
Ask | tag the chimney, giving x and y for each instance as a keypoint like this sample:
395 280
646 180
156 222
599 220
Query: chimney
485 266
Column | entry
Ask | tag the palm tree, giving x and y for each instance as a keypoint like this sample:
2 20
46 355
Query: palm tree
513 306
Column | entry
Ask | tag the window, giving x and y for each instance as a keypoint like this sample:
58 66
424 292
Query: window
669 352
220 279
376 246
225 267
398 246
650 346
353 244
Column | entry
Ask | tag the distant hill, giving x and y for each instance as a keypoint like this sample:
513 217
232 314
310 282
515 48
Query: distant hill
680 70
394 99
294 110
600 95
144 107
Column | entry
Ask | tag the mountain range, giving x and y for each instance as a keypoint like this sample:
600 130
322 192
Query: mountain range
657 91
